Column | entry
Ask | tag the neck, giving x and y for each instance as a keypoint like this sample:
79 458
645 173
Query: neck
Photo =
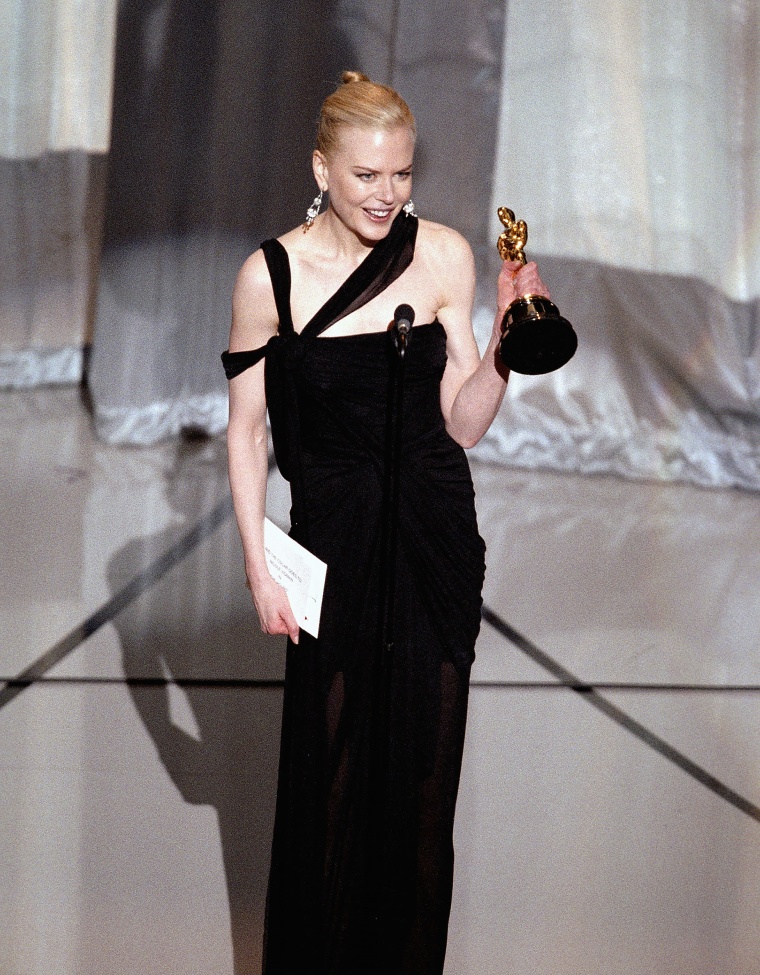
347 243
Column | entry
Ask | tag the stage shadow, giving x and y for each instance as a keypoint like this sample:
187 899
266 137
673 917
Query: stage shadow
218 743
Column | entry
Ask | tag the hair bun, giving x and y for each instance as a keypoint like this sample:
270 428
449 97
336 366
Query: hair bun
366 105
349 76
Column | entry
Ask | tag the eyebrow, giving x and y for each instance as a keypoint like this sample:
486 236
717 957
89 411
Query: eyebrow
370 169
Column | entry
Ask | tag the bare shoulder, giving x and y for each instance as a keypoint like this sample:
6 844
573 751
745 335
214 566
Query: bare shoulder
444 247
448 261
253 277
254 312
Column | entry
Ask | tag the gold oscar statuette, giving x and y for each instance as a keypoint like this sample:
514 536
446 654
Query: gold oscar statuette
535 338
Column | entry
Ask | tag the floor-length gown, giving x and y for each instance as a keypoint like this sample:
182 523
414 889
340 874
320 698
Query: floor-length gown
362 857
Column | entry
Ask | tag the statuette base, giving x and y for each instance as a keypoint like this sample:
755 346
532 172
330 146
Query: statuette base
535 338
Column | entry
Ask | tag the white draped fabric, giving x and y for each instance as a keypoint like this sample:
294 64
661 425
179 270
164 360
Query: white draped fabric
630 135
56 63
629 140
56 66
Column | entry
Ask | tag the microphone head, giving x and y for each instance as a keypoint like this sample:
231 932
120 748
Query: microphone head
404 314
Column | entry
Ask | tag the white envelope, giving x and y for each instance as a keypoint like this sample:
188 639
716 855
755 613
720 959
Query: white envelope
299 572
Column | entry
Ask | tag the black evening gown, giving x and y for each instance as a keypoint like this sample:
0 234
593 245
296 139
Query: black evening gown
372 737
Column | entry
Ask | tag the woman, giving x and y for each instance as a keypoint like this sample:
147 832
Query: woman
372 735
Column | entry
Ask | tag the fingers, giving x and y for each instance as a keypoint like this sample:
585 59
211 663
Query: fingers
274 609
286 621
505 287
516 280
281 624
528 281
293 629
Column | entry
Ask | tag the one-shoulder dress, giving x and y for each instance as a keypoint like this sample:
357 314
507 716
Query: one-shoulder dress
372 733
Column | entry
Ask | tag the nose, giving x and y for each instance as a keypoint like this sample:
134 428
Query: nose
384 190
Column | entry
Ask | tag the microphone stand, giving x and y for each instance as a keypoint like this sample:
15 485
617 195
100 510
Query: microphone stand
380 780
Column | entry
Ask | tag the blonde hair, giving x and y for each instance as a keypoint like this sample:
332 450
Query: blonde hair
357 101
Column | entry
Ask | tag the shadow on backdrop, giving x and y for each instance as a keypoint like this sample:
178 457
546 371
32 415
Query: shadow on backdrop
219 745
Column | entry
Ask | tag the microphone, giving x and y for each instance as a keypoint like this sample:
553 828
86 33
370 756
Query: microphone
403 319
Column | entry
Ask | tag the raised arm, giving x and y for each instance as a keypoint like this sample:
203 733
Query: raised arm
472 389
254 322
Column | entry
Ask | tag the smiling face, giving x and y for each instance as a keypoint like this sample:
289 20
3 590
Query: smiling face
369 178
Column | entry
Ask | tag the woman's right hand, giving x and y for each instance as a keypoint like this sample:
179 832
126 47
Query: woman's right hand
273 607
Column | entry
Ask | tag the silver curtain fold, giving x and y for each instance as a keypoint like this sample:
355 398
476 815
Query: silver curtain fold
630 142
55 76
662 386
49 245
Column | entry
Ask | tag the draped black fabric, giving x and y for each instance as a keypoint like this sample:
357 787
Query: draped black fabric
362 857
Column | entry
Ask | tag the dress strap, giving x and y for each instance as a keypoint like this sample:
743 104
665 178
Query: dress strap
236 362
279 271
386 261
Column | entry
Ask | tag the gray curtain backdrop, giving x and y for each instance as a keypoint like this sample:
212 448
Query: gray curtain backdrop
52 208
626 133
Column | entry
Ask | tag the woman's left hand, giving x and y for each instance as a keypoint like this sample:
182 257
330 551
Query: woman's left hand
517 280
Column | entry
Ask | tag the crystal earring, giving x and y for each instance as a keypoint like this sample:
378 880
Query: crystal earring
409 210
313 211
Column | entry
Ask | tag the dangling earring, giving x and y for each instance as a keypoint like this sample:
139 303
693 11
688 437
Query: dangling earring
409 210
313 211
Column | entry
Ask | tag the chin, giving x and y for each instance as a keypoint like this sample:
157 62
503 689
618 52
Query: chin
375 229
368 231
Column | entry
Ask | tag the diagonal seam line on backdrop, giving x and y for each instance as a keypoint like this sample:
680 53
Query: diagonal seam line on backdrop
208 525
616 714
142 582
